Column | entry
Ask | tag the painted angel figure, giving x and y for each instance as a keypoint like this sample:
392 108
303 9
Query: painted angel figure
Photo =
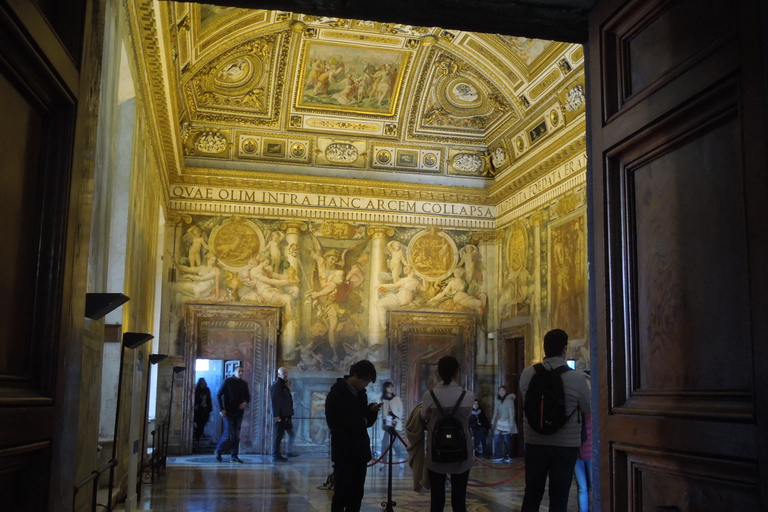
273 249
309 359
198 240
397 259
357 352
469 258
454 296
197 282
335 299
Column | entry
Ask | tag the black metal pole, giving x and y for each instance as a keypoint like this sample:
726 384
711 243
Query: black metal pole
389 504
144 432
117 425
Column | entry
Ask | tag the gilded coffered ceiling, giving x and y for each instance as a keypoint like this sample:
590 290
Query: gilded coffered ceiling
254 96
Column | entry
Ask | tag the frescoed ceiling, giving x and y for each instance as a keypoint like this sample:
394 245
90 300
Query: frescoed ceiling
249 94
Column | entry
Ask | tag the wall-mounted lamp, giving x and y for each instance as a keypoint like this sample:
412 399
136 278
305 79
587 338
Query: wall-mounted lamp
156 358
135 339
97 305
491 336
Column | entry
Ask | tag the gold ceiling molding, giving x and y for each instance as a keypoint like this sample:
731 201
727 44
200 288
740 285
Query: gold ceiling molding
428 118
538 64
230 89
535 169
329 185
493 58
150 84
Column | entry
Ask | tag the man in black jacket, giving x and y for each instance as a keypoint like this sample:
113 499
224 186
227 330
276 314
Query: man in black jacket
282 411
349 415
233 398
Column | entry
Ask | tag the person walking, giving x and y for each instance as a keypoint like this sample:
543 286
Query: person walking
282 411
349 416
451 398
553 455
203 408
391 413
504 425
233 398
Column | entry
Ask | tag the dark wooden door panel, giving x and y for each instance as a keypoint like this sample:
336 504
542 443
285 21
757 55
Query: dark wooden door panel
680 292
37 127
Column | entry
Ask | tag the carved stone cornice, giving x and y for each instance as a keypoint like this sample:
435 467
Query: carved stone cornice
145 54
527 173
339 186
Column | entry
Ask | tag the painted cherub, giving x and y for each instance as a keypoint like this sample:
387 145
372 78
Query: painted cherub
469 258
397 259
358 352
273 249
310 360
198 242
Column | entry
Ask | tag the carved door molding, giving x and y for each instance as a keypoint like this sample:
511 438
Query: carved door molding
257 328
419 339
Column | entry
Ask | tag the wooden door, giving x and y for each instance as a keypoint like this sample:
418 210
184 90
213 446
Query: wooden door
511 364
679 187
43 250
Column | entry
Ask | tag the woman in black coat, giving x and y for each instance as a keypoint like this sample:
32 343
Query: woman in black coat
203 407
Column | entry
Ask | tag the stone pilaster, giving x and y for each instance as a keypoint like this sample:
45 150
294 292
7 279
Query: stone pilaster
537 341
293 232
378 236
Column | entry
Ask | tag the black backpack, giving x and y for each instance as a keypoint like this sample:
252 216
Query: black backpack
545 400
449 444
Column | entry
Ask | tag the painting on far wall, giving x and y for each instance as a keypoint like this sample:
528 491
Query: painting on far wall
568 276
352 79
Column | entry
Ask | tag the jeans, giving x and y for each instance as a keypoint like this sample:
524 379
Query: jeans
231 433
555 462
583 472
280 431
458 491
479 441
350 487
398 448
497 445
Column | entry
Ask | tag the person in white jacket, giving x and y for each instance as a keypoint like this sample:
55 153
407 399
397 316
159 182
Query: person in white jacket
392 415
504 425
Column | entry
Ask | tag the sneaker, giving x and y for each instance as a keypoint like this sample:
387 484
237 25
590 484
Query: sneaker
279 458
218 455
236 460
507 459
293 455
500 459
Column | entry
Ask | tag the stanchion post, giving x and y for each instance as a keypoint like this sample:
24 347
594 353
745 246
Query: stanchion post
389 504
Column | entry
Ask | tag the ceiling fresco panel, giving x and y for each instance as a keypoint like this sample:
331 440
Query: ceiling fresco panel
344 78
237 95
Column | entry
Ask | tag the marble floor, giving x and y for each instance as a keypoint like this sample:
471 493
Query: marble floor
199 484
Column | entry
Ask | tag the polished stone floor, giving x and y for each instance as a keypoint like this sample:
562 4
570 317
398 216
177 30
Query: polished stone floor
198 484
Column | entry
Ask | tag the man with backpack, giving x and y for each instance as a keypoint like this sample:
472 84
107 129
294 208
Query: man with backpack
553 395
